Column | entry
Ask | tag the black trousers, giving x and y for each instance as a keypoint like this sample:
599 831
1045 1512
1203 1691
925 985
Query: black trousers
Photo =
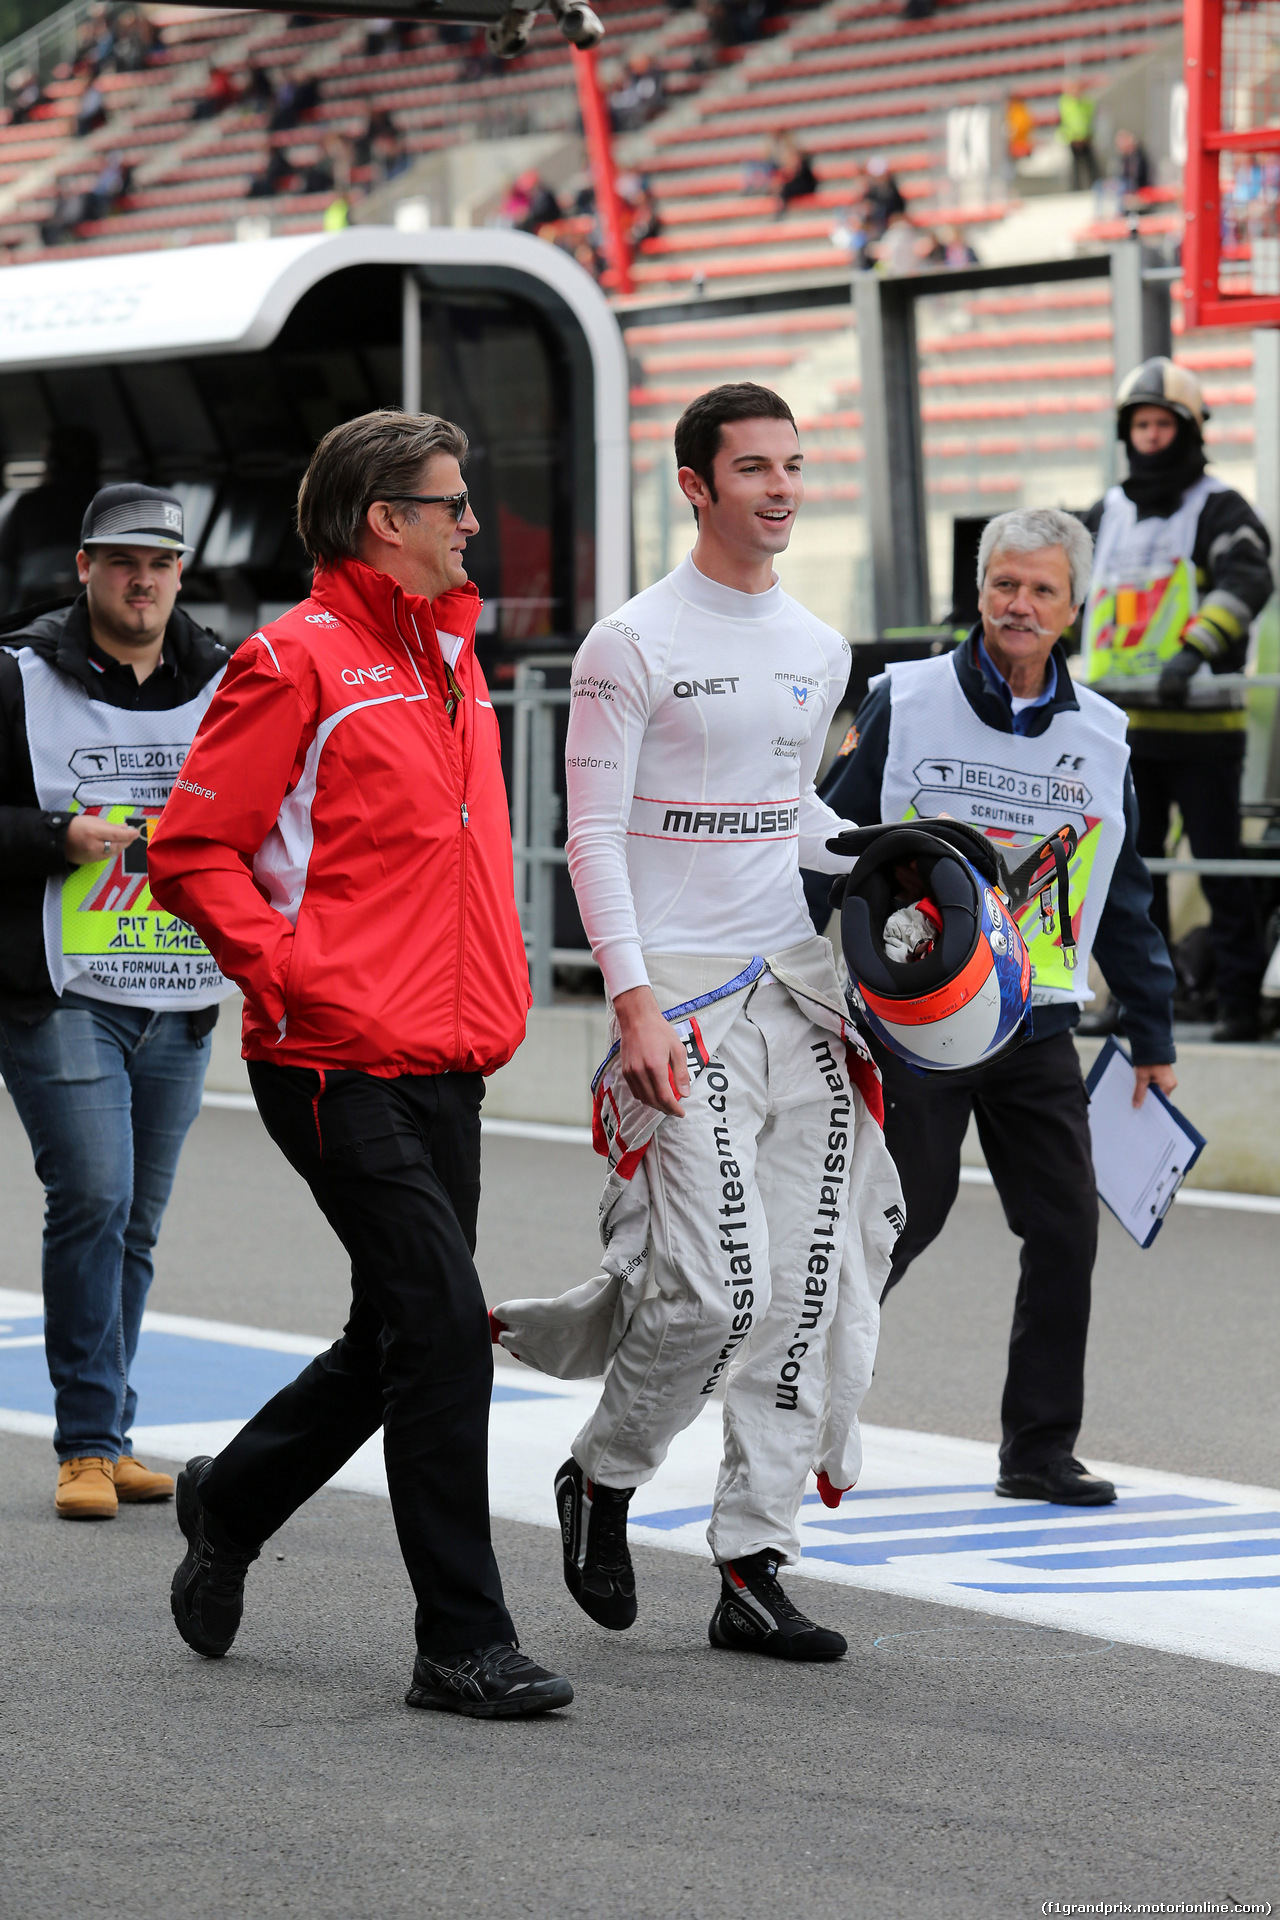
1206 791
395 1169
1033 1122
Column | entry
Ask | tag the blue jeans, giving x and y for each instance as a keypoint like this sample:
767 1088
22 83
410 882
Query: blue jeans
106 1094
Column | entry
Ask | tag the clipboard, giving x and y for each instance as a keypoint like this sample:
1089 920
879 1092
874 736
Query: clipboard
1141 1155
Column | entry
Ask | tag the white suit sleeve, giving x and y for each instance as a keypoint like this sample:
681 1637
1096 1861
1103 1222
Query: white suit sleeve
818 823
608 714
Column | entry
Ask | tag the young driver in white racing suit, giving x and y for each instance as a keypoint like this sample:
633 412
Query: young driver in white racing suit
751 1208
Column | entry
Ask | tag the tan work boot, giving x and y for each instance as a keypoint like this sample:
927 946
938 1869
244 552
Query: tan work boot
86 1489
136 1482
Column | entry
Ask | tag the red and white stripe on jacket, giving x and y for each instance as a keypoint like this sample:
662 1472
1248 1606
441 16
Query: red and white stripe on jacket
345 851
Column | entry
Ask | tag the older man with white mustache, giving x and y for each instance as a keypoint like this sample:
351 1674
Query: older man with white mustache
996 734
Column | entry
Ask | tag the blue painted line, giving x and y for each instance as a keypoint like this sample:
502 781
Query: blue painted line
898 1493
880 1553
1019 1514
674 1517
1122 1586
1150 1556
686 1516
180 1380
1225 1522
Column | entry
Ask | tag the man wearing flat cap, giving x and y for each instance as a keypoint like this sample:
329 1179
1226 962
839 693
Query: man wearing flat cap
107 1004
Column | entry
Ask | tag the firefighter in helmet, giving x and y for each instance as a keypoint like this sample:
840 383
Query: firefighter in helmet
1181 570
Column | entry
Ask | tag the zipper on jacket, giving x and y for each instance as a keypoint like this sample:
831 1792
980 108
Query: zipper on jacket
462 932
453 746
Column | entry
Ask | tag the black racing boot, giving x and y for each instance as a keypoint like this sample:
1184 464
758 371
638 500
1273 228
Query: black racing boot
597 1565
755 1615
207 1594
491 1683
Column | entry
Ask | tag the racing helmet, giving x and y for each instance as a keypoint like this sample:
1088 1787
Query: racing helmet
967 1000
1159 383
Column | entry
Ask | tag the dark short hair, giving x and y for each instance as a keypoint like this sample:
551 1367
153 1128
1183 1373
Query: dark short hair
698 430
379 456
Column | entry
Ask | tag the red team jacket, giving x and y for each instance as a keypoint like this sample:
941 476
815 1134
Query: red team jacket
344 851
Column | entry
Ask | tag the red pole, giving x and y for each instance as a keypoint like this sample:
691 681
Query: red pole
1201 239
604 175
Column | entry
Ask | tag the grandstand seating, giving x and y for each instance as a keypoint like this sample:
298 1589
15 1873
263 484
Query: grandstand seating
847 78
1016 410
191 178
853 80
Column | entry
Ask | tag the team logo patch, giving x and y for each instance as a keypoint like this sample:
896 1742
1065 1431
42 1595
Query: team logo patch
800 694
321 620
848 744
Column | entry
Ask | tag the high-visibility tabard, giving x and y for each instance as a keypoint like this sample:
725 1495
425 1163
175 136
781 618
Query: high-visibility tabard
1144 589
103 934
1018 789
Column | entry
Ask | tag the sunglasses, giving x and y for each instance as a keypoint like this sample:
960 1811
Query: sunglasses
458 501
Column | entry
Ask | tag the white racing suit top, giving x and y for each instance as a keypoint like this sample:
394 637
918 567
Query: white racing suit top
104 936
747 1242
696 728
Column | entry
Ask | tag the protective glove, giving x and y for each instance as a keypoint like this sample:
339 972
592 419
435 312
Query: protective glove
829 1495
1176 676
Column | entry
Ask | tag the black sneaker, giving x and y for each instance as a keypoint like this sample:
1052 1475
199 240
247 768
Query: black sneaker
597 1565
207 1595
491 1683
755 1615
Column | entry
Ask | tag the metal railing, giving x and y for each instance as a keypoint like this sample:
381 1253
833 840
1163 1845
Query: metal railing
536 818
536 813
43 47
1146 683
1235 869
1219 869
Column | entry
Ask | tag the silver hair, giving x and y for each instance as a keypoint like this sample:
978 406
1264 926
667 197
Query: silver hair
1030 530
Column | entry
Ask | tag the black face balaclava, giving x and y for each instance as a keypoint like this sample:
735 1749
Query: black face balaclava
1157 481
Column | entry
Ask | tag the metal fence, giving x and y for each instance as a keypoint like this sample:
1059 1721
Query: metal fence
43 47
537 809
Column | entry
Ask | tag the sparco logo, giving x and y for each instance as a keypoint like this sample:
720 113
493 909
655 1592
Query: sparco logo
356 676
688 689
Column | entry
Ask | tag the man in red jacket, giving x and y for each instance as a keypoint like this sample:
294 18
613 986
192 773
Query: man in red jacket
339 837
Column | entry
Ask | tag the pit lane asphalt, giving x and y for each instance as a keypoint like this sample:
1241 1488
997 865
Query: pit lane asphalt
978 1771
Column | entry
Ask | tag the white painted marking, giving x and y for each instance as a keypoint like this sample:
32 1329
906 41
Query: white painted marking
1184 1197
36 1426
539 1130
512 1129
228 1334
1236 1202
19 1306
